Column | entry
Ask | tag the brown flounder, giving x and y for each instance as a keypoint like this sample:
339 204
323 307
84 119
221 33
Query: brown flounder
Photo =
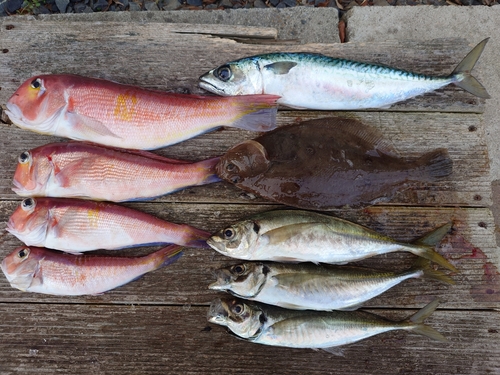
326 163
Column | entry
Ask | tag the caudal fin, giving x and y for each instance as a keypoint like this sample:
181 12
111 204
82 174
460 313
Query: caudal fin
424 265
208 166
418 325
436 165
255 112
462 72
424 247
169 255
198 238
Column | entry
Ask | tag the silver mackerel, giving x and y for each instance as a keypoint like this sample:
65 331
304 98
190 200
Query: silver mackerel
314 81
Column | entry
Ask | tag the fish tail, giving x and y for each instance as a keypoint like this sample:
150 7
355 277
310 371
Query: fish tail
210 174
424 247
436 165
169 255
255 112
417 322
434 237
198 238
424 266
463 76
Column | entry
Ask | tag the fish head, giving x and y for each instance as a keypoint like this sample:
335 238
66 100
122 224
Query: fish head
30 222
235 241
32 173
241 318
244 280
37 103
21 266
245 160
242 77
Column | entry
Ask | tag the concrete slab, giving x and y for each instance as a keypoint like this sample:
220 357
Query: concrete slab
367 24
306 24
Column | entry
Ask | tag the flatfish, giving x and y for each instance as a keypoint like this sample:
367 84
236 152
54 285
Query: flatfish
326 163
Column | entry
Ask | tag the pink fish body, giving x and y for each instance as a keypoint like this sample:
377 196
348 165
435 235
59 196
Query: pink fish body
40 270
82 170
75 226
126 116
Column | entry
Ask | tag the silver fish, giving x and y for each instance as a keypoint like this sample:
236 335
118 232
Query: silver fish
314 81
308 286
302 236
270 325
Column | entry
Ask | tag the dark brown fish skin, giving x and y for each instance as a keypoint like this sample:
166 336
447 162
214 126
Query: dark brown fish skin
327 163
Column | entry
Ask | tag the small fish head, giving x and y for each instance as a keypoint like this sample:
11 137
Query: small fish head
20 267
32 173
241 77
235 241
241 318
244 280
29 222
245 160
36 102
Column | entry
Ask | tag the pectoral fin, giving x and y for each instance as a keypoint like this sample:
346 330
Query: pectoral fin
282 67
63 176
88 127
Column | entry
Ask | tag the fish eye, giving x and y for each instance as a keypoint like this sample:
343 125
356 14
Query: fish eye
230 167
228 233
23 253
28 204
239 269
24 157
235 179
36 83
224 73
238 309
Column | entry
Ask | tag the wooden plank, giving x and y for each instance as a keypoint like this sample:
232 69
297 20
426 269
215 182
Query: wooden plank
94 339
413 134
471 248
155 56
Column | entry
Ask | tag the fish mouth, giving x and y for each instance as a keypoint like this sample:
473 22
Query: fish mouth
21 190
205 84
217 313
217 286
14 112
216 245
11 227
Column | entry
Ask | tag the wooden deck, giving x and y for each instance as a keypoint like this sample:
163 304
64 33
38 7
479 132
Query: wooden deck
158 325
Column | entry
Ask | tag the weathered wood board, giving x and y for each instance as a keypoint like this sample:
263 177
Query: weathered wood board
103 339
157 324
